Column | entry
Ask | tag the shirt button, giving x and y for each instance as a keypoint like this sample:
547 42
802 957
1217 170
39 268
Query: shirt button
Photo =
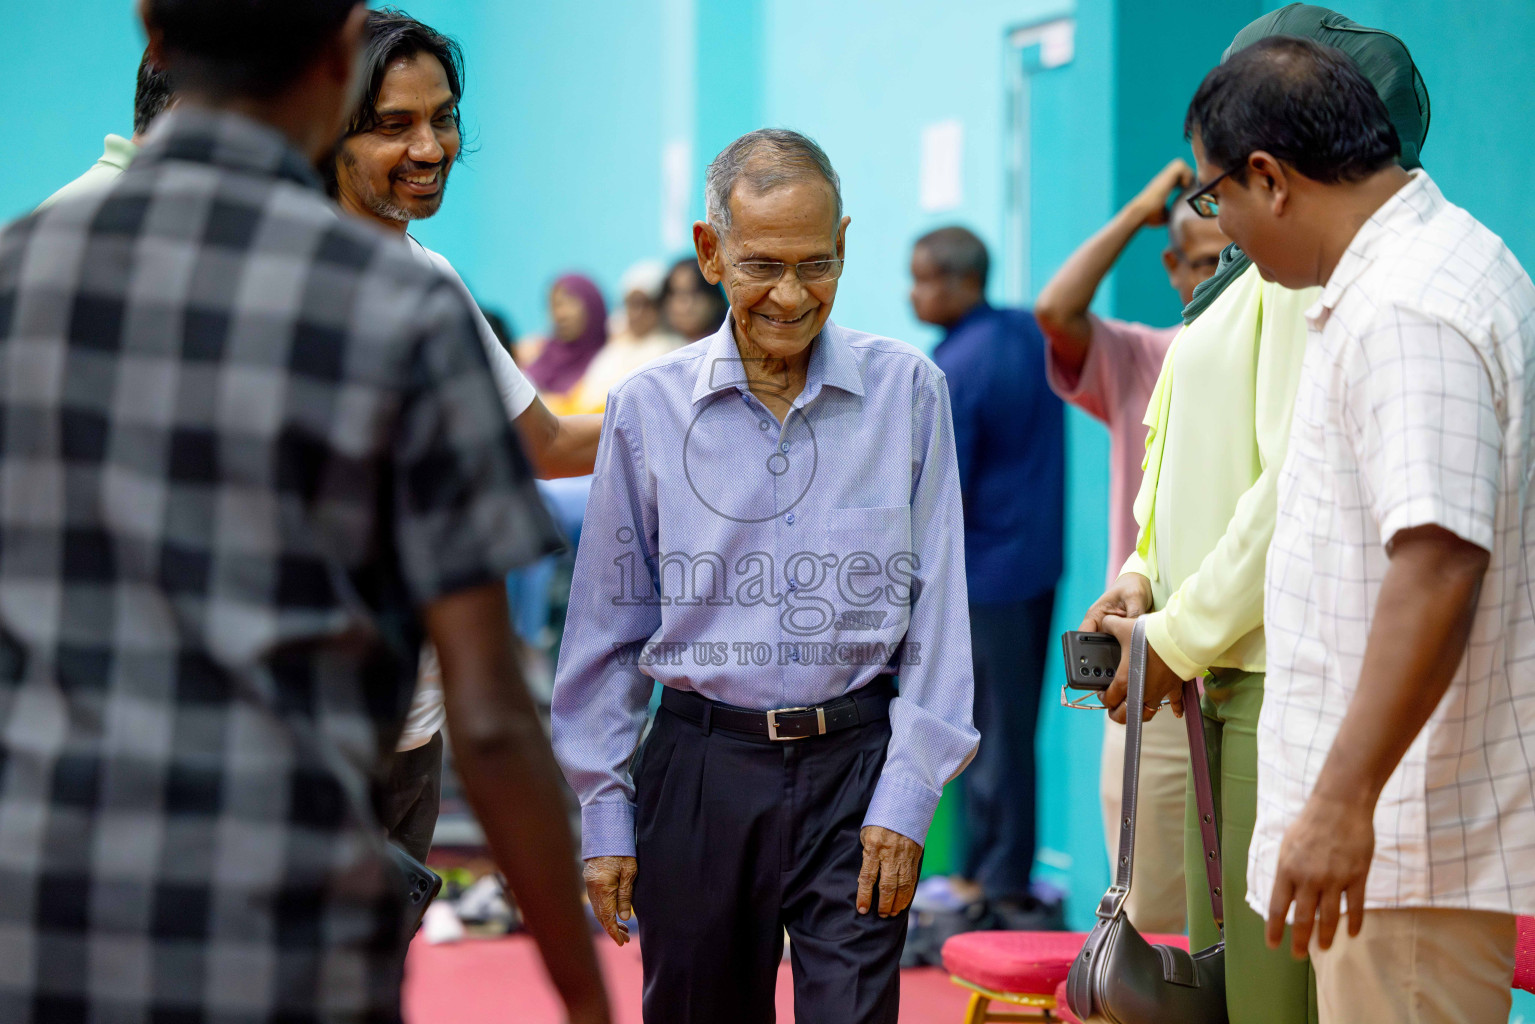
794 654
789 518
784 447
794 584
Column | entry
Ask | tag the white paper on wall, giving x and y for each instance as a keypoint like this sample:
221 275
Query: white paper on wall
942 170
676 187
1057 43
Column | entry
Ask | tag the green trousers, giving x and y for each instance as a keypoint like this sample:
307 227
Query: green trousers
1263 986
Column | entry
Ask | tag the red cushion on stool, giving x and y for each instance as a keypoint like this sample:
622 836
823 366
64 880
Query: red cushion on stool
1524 956
1029 963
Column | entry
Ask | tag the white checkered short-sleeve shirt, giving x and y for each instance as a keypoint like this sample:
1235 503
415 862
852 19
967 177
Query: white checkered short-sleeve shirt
1412 410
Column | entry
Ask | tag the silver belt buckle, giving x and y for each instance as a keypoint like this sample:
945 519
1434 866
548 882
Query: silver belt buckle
772 720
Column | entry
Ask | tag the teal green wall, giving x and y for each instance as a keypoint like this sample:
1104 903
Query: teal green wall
1163 51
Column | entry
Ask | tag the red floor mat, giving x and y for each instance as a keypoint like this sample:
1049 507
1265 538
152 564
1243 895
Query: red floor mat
481 981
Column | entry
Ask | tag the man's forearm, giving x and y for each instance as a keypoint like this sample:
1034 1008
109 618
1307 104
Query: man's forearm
558 446
1061 308
1419 633
574 450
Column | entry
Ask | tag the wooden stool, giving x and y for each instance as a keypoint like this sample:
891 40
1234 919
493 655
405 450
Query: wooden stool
1021 969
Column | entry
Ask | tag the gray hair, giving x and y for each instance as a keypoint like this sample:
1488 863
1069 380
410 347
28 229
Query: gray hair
957 251
764 160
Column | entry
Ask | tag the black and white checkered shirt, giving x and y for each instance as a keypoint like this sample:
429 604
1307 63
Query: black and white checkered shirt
242 442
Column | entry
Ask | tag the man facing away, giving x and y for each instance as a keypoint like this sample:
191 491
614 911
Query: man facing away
1397 742
391 168
1008 435
251 456
1109 368
774 534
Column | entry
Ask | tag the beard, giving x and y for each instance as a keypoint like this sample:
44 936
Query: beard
383 205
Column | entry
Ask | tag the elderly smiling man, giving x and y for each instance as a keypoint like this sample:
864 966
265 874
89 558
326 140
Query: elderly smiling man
775 535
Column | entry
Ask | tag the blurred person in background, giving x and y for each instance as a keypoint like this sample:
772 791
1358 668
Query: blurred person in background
1009 438
640 338
1108 369
391 168
578 329
1396 768
691 307
794 797
208 640
1219 430
151 96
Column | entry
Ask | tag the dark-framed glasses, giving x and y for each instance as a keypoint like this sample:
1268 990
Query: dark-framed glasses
1199 263
770 271
1204 202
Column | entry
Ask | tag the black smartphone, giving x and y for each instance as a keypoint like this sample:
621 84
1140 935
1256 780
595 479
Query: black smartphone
421 885
1091 659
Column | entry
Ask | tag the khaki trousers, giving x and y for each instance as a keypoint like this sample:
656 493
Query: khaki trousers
1418 967
1157 903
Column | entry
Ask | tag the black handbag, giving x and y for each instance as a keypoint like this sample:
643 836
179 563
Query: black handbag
1119 977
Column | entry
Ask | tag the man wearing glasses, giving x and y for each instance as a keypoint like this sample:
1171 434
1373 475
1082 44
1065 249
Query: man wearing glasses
774 534
1396 770
1008 430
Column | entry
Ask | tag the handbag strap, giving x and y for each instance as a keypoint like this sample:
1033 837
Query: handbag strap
1199 761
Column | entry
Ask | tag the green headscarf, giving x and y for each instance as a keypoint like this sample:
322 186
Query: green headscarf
1385 62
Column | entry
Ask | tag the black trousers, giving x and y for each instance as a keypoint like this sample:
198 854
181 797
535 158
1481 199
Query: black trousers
739 839
1008 643
408 796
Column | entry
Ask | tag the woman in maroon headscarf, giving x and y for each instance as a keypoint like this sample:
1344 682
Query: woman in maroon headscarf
580 328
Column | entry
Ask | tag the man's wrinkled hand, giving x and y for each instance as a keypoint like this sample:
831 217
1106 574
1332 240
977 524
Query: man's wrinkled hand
891 860
1325 855
1162 683
610 887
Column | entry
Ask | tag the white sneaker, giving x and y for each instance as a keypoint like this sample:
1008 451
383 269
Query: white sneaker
441 924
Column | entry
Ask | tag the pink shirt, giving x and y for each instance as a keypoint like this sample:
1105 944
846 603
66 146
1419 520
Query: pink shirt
1114 386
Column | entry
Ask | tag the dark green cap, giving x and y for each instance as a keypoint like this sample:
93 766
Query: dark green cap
1380 55
1384 60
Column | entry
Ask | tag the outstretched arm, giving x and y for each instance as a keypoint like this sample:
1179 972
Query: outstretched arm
558 445
1061 308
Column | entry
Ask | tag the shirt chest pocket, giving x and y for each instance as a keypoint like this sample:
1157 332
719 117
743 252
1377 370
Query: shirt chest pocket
871 548
881 531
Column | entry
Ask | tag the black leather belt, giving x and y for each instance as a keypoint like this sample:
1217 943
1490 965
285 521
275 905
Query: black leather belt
870 704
